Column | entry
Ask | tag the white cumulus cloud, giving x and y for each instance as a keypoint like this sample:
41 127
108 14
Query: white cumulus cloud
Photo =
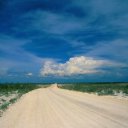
75 66
29 74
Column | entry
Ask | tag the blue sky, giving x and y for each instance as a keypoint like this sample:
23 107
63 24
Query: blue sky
69 40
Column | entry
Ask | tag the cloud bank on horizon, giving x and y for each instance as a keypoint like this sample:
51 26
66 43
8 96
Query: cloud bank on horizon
77 66
85 40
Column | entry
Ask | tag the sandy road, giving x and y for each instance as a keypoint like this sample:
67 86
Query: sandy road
57 108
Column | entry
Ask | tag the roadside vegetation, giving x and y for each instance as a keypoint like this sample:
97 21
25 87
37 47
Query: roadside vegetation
99 88
10 93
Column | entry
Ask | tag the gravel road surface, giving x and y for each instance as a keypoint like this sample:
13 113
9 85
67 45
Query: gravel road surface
58 108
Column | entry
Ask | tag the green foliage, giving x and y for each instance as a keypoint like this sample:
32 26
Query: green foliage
99 88
5 88
4 106
13 100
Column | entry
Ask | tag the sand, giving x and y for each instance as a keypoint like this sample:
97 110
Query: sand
58 108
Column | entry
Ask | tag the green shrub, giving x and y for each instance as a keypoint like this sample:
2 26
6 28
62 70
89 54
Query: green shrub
4 106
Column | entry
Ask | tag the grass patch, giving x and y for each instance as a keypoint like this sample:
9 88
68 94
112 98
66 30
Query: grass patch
4 106
98 88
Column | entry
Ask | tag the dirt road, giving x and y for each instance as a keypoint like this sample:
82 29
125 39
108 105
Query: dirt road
57 108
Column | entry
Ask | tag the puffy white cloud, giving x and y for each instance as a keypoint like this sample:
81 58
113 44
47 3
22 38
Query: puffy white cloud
29 74
76 66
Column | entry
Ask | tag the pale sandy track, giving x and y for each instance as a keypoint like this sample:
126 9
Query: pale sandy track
58 108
